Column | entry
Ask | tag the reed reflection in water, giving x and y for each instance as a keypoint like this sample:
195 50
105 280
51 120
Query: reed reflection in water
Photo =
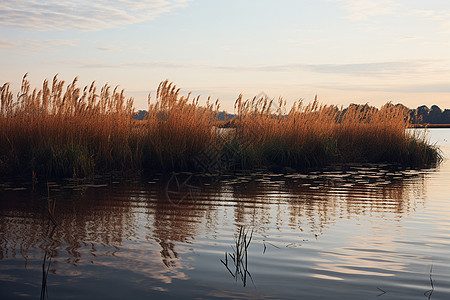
129 239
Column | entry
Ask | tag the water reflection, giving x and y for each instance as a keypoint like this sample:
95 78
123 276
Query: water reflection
135 227
109 216
316 200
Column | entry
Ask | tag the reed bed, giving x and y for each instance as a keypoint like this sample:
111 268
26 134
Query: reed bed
64 131
177 129
314 135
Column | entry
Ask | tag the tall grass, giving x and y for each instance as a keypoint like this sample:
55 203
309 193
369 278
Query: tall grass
314 135
64 131
71 132
177 129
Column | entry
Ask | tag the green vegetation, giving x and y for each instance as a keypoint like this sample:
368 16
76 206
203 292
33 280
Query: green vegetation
76 132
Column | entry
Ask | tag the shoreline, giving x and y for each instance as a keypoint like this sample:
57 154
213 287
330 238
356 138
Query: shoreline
429 126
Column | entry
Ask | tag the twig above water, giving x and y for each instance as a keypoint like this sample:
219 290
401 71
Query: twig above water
239 257
429 293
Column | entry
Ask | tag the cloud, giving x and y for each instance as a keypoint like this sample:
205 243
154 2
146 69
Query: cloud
30 45
441 17
391 88
7 44
356 69
23 45
409 37
431 10
422 88
109 48
155 64
364 9
435 15
81 14
373 69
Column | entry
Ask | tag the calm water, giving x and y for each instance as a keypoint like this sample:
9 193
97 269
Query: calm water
354 232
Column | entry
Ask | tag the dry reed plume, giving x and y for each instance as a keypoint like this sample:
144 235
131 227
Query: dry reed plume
66 133
177 128
60 131
314 135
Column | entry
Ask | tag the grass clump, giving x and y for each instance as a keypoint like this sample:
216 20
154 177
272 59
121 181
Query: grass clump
315 135
177 129
65 131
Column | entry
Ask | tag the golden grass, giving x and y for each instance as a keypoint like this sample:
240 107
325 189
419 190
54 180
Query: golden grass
62 131
65 133
177 129
315 135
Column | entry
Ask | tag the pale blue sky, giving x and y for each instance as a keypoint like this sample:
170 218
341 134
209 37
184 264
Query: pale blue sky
342 50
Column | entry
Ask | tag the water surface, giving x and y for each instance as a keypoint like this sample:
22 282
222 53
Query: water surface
350 232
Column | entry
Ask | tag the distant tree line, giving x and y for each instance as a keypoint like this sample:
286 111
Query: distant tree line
419 115
433 115
221 116
140 115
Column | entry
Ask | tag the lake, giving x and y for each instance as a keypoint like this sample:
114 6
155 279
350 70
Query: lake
348 232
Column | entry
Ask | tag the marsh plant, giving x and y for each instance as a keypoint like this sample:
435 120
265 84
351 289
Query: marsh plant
236 262
316 135
65 131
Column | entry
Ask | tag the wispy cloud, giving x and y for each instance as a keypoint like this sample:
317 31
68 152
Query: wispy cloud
7 44
432 10
154 64
441 17
378 69
364 9
392 88
433 14
32 45
81 14
109 48
370 69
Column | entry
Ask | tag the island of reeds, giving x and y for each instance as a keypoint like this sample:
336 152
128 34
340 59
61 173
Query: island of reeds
65 131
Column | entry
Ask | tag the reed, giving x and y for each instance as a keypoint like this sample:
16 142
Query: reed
177 129
64 131
315 135
71 132
238 268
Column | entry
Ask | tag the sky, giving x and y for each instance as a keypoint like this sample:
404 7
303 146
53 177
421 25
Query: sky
343 51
